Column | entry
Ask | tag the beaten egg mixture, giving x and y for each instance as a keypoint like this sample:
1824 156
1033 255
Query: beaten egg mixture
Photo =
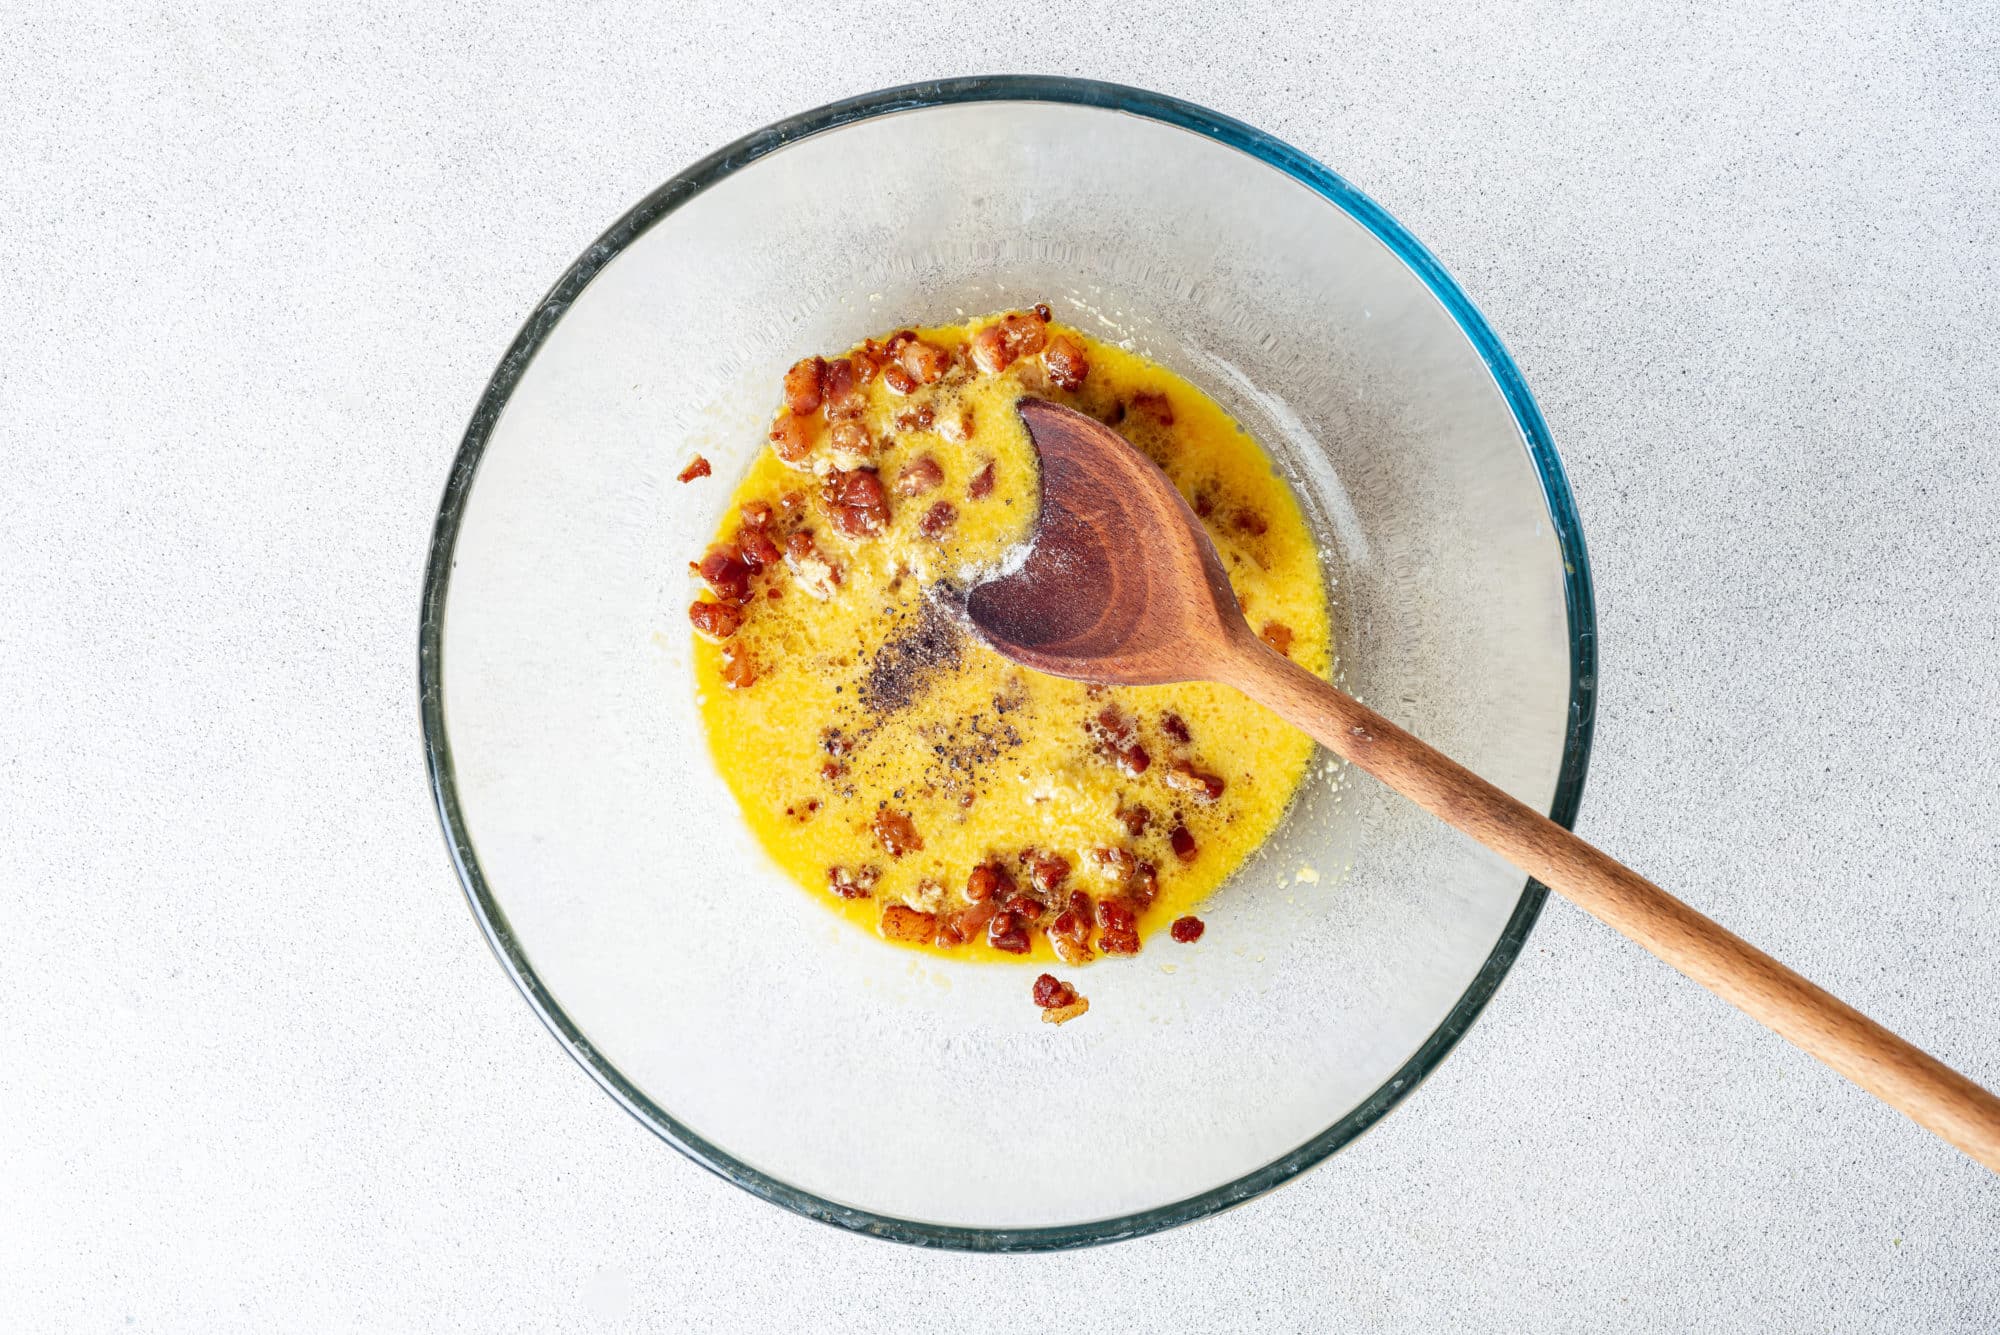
899 769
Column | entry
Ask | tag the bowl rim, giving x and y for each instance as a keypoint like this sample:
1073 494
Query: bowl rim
928 94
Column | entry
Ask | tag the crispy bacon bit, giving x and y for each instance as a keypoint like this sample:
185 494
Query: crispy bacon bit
699 468
898 379
1117 738
1067 366
937 520
1064 1014
724 570
756 514
868 359
718 621
849 444
928 897
920 475
759 552
1011 337
831 770
1046 871
738 671
1183 843
1249 521
918 418
907 924
859 505
1027 333
842 389
1069 934
835 743
853 884
1135 819
925 362
1188 930
803 384
817 575
1121 927
1145 884
1050 993
1111 726
990 352
955 929
1138 878
896 832
1007 932
987 881
1025 907
793 436
957 427
1071 949
1118 863
1043 313
1183 777
1155 405
1278 635
1174 726
981 485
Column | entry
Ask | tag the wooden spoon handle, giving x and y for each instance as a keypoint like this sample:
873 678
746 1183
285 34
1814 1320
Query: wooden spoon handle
1902 1076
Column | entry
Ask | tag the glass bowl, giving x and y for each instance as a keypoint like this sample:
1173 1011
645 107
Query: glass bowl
801 1058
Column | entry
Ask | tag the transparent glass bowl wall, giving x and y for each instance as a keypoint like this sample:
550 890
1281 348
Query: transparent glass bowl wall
868 1086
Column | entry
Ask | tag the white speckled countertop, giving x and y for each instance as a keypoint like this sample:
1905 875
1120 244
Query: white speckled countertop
259 1072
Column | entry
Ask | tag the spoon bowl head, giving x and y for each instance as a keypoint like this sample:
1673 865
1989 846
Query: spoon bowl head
1120 583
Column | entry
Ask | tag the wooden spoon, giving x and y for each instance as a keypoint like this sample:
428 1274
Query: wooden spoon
1121 585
